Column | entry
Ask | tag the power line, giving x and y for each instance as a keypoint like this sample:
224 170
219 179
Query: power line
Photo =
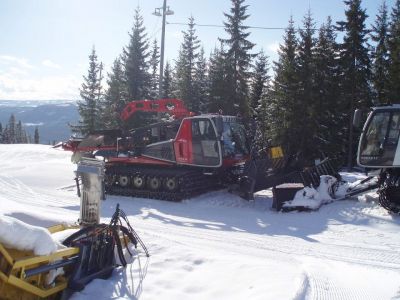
222 26
253 27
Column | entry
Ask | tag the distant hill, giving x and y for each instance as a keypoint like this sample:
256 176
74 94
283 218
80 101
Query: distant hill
51 117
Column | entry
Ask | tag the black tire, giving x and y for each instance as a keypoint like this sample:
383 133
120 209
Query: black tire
154 183
171 184
123 180
138 181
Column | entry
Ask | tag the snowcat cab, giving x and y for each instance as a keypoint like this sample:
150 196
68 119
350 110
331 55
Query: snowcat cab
379 148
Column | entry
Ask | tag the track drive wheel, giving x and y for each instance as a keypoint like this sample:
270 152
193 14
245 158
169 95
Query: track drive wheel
138 181
123 180
171 184
154 183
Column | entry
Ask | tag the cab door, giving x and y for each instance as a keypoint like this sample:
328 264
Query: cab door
197 143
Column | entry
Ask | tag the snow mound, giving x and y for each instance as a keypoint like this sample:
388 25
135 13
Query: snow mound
22 236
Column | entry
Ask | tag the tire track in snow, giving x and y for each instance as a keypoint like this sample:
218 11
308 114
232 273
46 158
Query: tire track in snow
283 246
15 190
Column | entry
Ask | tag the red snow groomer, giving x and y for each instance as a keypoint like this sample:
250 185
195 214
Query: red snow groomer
180 154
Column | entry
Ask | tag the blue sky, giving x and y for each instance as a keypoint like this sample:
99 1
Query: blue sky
44 44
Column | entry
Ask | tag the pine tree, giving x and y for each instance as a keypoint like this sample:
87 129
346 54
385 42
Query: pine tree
200 82
380 57
260 81
167 82
330 136
283 104
185 67
90 91
237 56
115 97
154 62
355 66
36 136
135 62
394 54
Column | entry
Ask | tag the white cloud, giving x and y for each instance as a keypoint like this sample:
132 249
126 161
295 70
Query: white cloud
50 64
44 88
12 60
18 81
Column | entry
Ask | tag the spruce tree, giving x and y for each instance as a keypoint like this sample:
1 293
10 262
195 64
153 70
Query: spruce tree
167 82
355 67
115 97
306 107
380 56
36 136
259 99
11 130
394 54
135 61
238 57
260 81
89 106
218 86
154 62
283 105
18 133
6 136
330 135
185 67
200 83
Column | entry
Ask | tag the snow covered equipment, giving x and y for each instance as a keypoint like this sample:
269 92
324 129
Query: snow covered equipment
27 275
272 167
33 265
90 187
379 148
284 192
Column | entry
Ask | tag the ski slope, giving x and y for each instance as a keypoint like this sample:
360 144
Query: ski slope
218 246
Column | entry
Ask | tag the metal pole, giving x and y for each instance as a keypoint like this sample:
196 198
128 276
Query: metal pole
160 89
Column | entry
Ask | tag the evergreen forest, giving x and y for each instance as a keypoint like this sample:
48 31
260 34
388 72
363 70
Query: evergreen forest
303 101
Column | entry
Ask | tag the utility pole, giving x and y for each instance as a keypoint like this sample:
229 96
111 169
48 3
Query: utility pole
162 12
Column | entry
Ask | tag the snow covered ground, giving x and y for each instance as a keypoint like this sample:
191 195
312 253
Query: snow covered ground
218 246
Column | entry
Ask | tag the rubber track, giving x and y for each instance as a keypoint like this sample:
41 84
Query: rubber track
190 182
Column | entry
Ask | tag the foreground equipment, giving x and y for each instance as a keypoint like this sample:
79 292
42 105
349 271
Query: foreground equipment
379 148
180 155
92 251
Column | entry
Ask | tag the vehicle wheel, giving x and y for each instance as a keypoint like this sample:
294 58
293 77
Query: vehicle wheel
171 184
123 181
154 183
138 181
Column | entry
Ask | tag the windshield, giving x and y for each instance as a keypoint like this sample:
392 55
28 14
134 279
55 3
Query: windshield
234 140
379 143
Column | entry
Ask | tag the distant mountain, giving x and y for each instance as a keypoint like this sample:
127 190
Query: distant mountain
51 117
